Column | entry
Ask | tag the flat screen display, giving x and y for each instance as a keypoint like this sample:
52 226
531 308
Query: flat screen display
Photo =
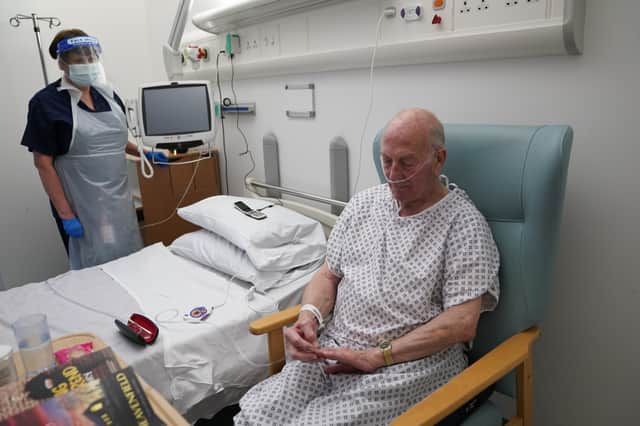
174 110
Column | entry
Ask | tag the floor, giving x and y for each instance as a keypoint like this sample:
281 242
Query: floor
222 418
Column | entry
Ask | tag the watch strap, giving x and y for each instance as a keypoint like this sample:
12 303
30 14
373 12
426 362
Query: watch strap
386 353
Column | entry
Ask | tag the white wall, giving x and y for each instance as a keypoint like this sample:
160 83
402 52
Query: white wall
31 247
586 361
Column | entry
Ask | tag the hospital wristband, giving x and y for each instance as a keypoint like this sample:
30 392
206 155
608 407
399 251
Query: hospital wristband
315 311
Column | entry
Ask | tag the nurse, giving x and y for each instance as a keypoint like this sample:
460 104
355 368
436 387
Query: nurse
77 131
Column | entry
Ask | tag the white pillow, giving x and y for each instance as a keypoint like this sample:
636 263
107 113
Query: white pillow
284 240
215 252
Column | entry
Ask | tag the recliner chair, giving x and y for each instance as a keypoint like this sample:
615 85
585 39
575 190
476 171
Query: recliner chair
516 176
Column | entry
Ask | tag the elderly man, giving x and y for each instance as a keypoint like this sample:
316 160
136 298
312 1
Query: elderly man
410 266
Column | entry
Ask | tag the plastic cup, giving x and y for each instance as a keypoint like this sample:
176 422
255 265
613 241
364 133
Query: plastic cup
7 367
34 342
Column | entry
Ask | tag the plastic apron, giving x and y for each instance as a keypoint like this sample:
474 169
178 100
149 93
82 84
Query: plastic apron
94 178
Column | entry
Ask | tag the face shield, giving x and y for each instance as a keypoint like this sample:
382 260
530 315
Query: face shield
81 56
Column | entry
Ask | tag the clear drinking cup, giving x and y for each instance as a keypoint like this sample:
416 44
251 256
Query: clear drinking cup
7 367
34 342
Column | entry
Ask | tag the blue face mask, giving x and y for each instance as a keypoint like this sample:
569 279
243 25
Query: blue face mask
84 75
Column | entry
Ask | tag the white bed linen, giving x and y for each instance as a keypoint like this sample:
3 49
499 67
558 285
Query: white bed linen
204 365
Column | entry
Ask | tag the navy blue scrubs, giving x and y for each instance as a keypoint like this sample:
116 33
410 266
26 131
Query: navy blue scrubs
50 126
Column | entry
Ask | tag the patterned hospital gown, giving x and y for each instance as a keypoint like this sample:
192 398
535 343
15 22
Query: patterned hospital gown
397 274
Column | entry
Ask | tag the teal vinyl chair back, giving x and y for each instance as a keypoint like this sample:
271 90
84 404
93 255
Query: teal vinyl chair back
516 176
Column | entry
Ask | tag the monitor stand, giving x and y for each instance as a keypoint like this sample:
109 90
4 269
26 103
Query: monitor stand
179 147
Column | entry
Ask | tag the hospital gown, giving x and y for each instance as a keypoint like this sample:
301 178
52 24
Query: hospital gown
397 274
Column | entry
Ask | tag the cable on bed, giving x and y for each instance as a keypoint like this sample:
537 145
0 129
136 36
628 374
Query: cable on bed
251 295
48 282
176 312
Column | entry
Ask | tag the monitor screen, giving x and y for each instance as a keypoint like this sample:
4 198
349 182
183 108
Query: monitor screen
174 110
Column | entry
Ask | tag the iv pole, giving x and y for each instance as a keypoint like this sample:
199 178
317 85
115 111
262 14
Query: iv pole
53 22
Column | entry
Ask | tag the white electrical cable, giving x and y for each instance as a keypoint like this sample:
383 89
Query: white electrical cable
59 294
184 195
224 141
144 162
366 120
251 295
176 312
244 138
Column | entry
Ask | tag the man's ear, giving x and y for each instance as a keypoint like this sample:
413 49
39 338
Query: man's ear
441 157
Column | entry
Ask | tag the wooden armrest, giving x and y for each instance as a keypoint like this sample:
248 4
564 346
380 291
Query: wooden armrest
272 324
275 321
473 380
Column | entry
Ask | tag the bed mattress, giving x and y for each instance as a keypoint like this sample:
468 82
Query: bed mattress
199 368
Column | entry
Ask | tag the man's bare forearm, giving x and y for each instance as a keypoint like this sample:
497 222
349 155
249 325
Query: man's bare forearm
455 325
321 291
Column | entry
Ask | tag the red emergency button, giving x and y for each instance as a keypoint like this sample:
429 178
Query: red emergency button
437 19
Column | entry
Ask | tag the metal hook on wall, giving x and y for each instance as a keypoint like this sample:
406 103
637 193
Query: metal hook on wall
53 22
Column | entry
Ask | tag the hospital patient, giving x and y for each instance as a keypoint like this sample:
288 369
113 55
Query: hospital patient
410 266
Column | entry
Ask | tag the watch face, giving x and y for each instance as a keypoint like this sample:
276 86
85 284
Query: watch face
385 344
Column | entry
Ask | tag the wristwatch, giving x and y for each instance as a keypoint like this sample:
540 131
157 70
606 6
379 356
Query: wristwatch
385 347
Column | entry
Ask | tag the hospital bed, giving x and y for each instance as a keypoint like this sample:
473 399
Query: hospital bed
198 367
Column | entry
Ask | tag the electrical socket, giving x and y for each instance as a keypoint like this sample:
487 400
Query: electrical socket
473 6
511 3
249 44
270 40
259 42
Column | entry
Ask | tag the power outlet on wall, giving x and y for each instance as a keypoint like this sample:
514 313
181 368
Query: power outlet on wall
259 42
511 3
249 44
472 6
270 40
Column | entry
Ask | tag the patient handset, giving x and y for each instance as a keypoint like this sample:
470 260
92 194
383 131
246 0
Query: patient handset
254 214
198 314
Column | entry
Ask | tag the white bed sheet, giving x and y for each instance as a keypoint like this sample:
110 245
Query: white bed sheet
199 368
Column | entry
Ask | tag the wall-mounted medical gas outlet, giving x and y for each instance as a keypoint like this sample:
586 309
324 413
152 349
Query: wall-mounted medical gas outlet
412 13
196 53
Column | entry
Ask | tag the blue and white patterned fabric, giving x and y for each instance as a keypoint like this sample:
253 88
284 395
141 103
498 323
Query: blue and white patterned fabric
397 274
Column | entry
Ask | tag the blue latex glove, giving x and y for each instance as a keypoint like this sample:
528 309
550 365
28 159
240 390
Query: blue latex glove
73 227
156 156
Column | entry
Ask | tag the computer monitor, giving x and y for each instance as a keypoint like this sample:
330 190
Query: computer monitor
175 115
